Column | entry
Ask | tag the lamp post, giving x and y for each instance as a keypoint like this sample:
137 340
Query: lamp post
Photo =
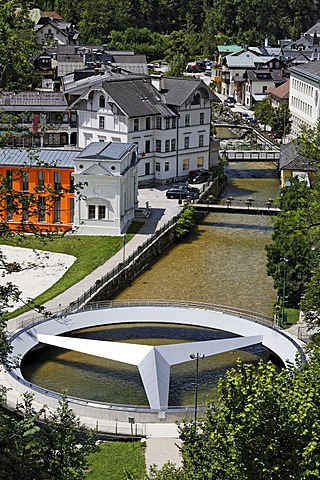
196 357
284 288
124 247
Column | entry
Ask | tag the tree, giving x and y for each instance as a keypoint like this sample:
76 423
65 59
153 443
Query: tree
280 121
265 426
55 450
66 444
263 111
17 45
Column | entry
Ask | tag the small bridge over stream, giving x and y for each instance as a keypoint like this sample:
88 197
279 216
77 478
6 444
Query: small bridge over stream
248 208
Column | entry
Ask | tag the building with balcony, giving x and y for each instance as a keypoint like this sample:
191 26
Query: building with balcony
168 118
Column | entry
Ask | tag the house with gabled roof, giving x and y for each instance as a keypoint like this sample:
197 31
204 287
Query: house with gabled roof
294 165
43 118
168 118
279 94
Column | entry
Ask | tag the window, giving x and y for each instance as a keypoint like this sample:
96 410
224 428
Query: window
25 181
101 122
157 166
201 118
136 124
166 166
41 209
56 211
9 179
57 181
102 101
187 120
40 181
102 212
186 142
167 123
158 145
91 212
173 144
148 123
71 209
167 146
200 140
185 164
158 123
147 146
71 183
174 123
264 88
25 211
200 162
196 99
9 208
147 168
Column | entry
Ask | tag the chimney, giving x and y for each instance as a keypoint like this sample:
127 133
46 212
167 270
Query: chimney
266 43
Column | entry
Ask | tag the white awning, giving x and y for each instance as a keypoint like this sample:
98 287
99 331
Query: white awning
259 96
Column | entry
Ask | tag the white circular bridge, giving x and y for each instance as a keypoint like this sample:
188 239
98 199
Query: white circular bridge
153 362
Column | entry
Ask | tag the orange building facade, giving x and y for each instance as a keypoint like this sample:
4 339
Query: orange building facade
36 195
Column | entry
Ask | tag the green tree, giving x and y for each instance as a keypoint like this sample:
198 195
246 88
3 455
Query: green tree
66 444
280 121
17 45
54 450
263 111
265 426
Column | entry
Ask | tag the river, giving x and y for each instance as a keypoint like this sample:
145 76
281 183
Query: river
222 262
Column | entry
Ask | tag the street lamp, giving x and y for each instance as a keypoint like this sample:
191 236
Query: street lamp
196 357
284 288
124 247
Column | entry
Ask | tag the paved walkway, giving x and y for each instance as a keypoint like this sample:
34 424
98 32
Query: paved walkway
161 438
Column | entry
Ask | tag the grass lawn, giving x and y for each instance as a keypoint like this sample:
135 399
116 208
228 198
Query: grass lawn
90 251
115 459
292 317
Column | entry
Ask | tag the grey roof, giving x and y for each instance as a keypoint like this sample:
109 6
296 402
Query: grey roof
136 97
105 151
33 98
244 60
311 68
52 158
291 159
274 75
180 89
314 29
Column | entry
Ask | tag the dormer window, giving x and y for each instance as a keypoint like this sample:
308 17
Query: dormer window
102 101
196 99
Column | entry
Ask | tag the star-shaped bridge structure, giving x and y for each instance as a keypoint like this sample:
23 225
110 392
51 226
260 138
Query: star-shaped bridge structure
153 362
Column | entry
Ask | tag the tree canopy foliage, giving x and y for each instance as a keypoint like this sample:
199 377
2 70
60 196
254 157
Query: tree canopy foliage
264 426
214 22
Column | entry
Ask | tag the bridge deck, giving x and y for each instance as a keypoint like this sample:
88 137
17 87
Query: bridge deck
247 209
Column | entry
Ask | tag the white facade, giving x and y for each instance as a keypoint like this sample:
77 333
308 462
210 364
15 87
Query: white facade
108 195
171 139
304 95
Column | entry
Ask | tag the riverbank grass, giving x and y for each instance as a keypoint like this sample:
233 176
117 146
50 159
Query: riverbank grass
115 460
90 253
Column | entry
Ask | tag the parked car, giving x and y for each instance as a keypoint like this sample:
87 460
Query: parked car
182 192
229 101
199 173
200 177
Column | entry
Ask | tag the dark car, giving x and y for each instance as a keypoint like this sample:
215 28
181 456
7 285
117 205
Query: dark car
230 101
182 192
199 176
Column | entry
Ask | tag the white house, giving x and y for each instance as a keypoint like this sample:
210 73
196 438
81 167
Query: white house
304 95
168 118
107 173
